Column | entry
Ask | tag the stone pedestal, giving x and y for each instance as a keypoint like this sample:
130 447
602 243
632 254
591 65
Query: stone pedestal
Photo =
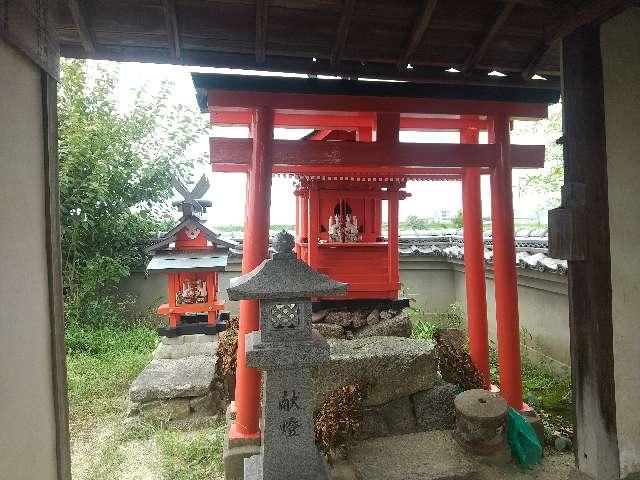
481 422
285 349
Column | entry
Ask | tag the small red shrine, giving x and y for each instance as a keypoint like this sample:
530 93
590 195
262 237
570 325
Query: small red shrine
351 162
191 255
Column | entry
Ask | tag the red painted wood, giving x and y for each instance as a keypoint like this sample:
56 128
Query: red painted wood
218 98
474 264
505 275
388 129
374 154
254 252
362 121
392 224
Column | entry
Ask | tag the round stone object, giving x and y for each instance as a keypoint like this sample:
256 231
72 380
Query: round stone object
481 421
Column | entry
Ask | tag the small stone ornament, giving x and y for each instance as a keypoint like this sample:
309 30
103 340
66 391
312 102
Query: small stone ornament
285 349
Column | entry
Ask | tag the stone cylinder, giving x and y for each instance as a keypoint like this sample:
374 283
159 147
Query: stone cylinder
481 421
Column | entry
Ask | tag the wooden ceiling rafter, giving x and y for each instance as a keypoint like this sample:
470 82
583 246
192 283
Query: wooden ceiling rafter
81 20
418 32
262 21
498 22
587 13
171 20
343 32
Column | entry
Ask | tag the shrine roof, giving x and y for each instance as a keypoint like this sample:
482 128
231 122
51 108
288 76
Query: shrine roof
205 82
171 236
188 261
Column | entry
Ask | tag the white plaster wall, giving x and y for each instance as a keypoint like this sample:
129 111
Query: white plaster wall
27 426
620 43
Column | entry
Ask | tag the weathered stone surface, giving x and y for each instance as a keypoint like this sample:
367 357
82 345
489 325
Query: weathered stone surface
185 349
373 317
339 317
481 421
453 337
389 367
168 378
319 315
398 326
159 411
434 408
393 418
329 330
358 319
417 456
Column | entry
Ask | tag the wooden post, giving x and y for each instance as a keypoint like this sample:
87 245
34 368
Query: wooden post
504 267
583 223
255 250
392 234
474 264
212 315
313 225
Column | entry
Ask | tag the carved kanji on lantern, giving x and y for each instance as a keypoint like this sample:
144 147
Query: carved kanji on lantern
191 256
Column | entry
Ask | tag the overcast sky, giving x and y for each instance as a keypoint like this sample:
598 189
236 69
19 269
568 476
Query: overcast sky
227 190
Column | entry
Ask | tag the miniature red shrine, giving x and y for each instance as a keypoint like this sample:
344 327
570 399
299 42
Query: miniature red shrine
191 255
354 155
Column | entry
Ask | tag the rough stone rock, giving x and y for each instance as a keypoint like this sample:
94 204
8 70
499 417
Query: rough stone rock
388 367
319 315
158 411
434 408
185 349
329 330
453 337
169 378
341 318
349 335
398 326
358 319
373 317
387 314
393 418
417 456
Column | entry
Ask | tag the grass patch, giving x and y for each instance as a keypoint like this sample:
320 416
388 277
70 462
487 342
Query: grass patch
101 363
193 456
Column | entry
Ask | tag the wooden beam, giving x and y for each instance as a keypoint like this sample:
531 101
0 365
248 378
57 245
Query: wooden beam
80 18
417 33
374 155
219 98
345 122
589 12
343 32
171 20
262 20
500 19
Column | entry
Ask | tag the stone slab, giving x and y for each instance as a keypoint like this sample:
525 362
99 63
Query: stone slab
253 471
398 326
418 456
169 378
390 367
185 349
234 454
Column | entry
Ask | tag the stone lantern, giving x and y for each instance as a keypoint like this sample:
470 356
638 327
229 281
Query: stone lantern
285 349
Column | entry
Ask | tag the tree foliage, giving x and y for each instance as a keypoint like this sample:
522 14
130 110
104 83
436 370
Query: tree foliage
548 182
115 171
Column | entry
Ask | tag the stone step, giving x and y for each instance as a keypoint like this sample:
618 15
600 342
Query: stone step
418 456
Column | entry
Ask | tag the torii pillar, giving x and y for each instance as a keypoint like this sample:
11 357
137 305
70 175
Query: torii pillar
255 250
504 267
474 263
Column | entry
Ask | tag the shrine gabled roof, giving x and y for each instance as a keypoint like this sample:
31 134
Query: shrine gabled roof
171 235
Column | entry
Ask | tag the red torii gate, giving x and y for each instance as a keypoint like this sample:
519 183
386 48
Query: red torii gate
377 151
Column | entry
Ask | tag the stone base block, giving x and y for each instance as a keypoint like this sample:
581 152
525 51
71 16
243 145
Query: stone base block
481 422
253 470
186 348
536 423
234 451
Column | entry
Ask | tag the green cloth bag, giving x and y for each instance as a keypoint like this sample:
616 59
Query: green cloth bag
522 439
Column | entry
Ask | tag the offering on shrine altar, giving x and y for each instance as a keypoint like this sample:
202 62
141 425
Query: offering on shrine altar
191 256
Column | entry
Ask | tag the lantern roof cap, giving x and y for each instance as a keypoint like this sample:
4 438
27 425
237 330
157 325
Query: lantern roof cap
283 276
